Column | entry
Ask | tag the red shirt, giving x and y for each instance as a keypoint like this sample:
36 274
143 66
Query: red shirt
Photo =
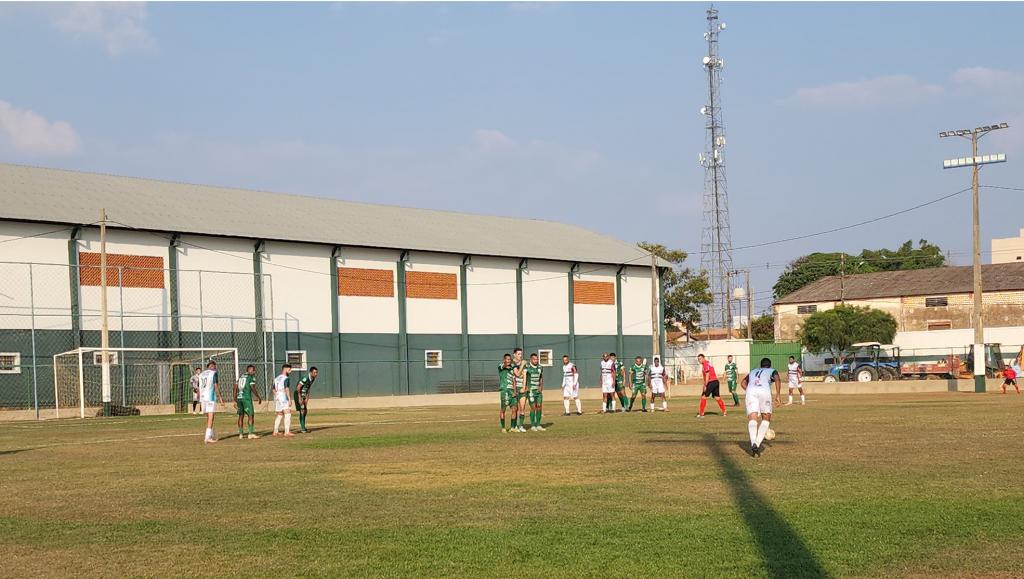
709 370
1009 373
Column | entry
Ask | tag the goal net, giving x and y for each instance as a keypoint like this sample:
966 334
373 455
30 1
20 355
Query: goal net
138 377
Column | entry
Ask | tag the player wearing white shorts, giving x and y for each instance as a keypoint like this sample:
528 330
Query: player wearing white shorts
796 380
209 395
757 387
193 381
607 383
283 401
659 384
570 386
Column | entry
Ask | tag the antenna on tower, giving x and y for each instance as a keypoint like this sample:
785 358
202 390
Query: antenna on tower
716 240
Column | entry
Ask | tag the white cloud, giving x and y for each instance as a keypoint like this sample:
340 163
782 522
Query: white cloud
989 79
896 89
28 132
120 26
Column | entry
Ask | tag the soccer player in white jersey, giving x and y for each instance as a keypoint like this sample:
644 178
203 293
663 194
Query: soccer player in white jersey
570 386
757 388
796 380
209 394
607 383
283 401
659 384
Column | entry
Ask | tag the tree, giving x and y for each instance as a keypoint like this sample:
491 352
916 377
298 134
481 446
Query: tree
835 330
685 292
815 266
764 328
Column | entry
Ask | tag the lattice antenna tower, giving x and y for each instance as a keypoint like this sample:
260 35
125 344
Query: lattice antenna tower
716 240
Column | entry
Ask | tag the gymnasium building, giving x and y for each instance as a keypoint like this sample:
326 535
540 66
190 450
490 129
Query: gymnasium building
383 300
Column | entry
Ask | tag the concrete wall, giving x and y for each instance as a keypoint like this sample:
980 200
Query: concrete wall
1008 249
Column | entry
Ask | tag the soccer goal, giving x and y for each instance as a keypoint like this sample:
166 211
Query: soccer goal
138 377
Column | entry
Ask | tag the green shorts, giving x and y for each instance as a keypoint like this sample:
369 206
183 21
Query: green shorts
618 386
508 398
245 407
639 388
535 397
732 385
299 405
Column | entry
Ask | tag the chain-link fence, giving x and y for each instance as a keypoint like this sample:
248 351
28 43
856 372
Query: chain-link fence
49 309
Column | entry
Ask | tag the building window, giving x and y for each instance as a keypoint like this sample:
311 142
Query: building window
296 359
432 359
940 326
804 310
97 358
940 302
545 357
10 363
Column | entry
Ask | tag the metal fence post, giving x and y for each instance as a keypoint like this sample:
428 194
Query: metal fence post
202 344
32 313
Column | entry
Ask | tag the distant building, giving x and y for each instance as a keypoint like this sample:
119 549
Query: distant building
922 299
1008 249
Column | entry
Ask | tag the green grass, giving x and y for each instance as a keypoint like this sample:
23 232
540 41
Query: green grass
925 485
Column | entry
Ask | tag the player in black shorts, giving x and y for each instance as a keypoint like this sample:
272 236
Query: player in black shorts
711 387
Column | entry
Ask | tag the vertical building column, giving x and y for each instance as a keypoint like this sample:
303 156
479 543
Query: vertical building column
74 279
619 345
403 337
172 274
257 272
463 285
572 311
661 312
336 356
523 264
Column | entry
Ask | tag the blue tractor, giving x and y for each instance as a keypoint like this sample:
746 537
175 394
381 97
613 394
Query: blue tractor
866 362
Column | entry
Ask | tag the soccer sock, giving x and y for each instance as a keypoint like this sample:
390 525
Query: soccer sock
302 420
790 398
752 429
802 399
735 398
533 418
761 431
579 406
721 404
288 423
643 403
566 404
241 430
503 423
703 405
664 404
209 434
277 423
252 428
613 403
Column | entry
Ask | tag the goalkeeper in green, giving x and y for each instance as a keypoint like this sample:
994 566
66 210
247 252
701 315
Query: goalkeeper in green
730 377
243 391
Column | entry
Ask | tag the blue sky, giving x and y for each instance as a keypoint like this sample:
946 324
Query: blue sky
585 113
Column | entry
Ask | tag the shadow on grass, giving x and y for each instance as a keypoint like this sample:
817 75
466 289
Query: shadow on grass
13 451
782 550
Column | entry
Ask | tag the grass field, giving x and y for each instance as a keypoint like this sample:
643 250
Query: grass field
925 485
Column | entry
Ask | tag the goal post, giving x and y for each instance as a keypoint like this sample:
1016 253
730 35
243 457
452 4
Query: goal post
147 376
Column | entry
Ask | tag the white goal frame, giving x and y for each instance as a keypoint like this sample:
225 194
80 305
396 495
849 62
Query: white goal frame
86 354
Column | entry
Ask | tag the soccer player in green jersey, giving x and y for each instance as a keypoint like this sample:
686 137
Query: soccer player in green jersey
519 376
640 377
535 392
302 397
730 377
620 383
243 391
506 388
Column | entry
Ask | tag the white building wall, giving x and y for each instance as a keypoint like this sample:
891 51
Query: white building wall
143 309
636 301
434 316
369 315
52 294
1008 249
226 297
301 283
491 299
596 320
545 298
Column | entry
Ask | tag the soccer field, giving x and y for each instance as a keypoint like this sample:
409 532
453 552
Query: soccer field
926 485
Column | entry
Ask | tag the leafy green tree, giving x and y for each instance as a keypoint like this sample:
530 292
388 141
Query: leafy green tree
685 291
835 330
815 266
764 328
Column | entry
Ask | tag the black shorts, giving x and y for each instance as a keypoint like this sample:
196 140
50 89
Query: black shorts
711 390
1010 382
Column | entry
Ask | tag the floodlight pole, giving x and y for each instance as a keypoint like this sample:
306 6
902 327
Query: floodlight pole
104 325
975 162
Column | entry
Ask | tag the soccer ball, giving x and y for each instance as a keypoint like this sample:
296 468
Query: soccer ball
770 435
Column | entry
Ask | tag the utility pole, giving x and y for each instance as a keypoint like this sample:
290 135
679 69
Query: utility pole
104 324
750 307
656 324
842 278
975 161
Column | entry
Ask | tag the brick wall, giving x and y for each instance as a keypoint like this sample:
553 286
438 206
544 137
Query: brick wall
141 271
432 285
357 281
600 293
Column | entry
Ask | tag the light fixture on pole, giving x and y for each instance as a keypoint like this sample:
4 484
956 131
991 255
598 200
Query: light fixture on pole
975 161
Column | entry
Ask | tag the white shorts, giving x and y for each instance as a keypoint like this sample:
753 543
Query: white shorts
282 405
607 385
570 390
758 401
657 387
795 383
209 406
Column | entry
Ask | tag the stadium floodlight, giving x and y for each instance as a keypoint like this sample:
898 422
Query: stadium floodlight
975 161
